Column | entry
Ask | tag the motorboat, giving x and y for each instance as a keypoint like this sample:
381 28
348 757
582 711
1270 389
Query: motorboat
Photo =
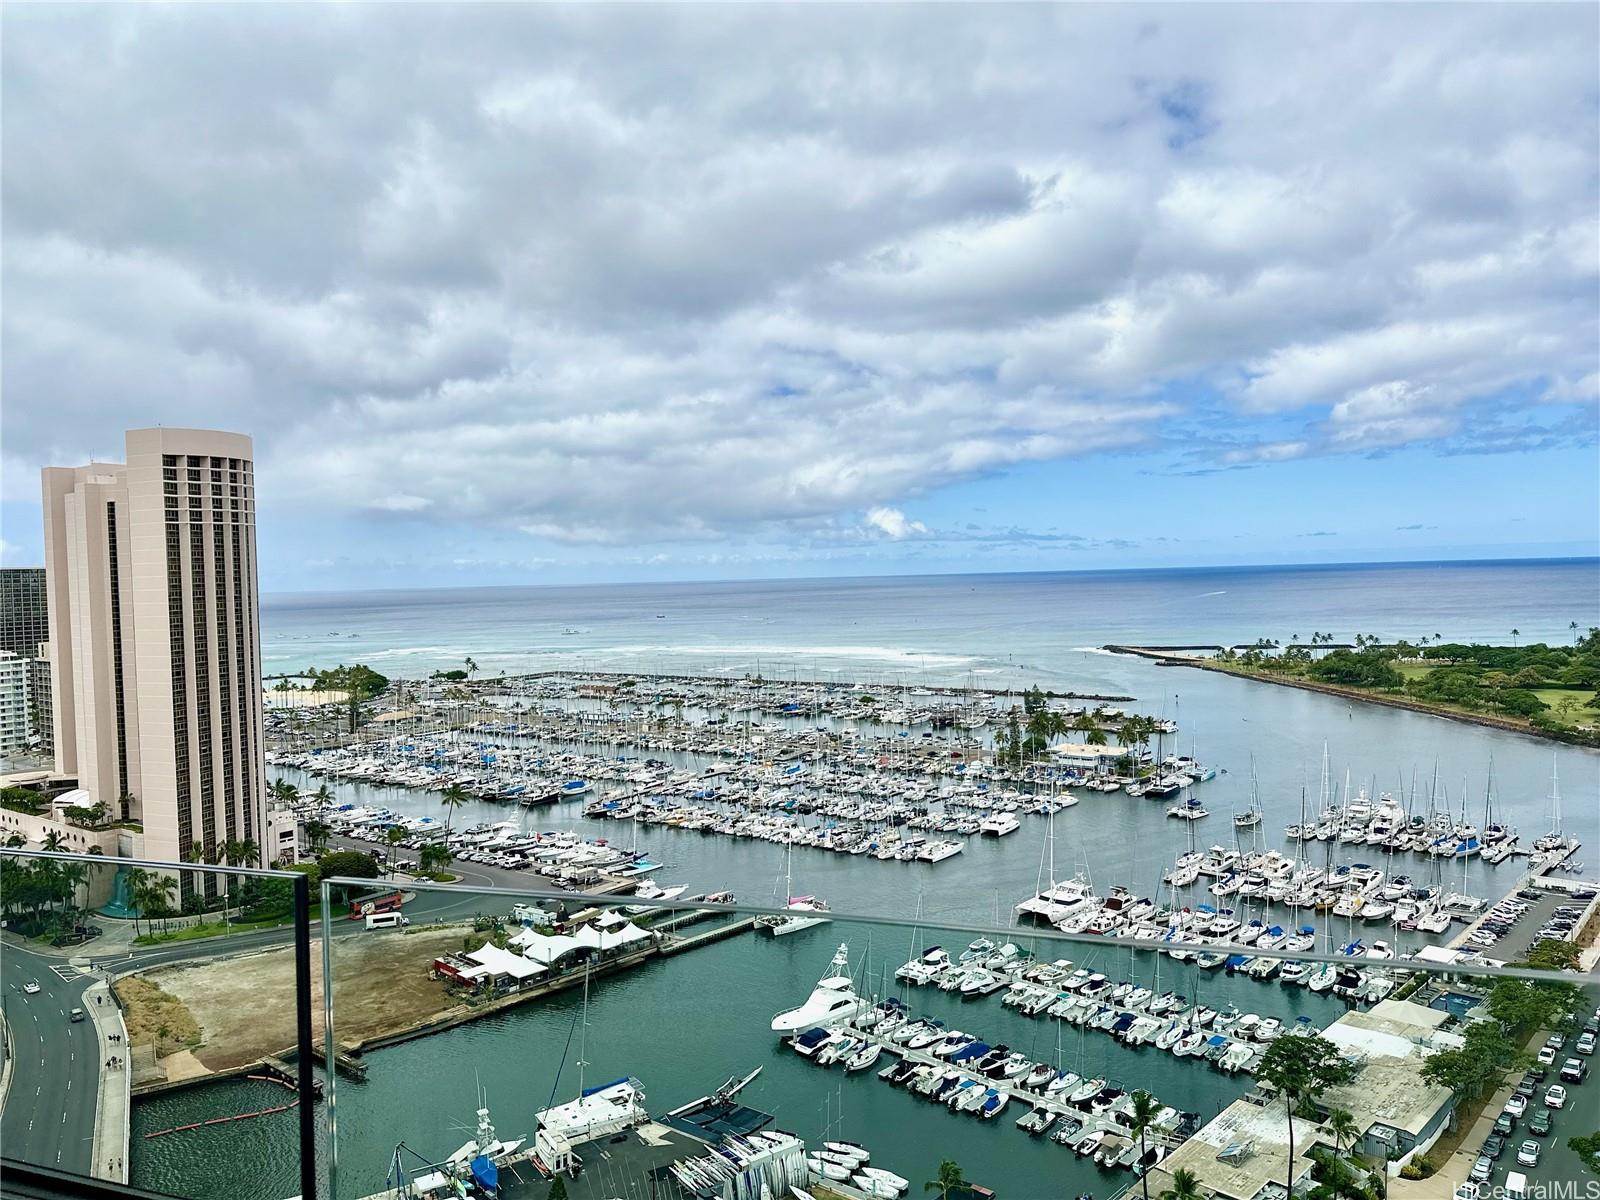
832 1000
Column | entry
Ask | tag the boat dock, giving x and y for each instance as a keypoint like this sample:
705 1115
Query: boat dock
677 945
1091 1122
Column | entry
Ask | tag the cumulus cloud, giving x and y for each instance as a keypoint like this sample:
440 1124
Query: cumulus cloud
605 275
893 523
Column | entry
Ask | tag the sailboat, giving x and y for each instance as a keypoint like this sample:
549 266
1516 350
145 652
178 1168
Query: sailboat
1251 816
801 912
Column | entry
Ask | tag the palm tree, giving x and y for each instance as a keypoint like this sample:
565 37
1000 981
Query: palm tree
138 881
244 853
1515 634
161 888
472 667
452 798
1302 1068
1341 1126
73 876
1185 1186
1143 1113
54 841
949 1180
317 833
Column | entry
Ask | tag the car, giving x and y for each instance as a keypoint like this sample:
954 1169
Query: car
1585 1044
1527 1087
1467 1191
1555 1096
1528 1154
1573 1070
1538 1071
31 987
1517 1104
1546 1055
1530 894
1557 1041
1493 1146
75 1015
1542 1123
1505 1124
1481 1171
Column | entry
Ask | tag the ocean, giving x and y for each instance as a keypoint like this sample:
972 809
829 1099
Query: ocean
992 631
940 628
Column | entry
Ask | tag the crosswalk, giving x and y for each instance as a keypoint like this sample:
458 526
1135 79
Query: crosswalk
65 973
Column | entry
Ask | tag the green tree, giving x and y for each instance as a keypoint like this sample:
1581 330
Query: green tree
1302 1068
137 879
317 834
1145 1108
1341 1126
453 797
949 1180
1587 1148
1553 954
471 666
558 1189
1483 1060
1185 1186
355 864
434 857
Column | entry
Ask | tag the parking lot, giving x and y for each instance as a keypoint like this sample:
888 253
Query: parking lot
1558 1168
1521 932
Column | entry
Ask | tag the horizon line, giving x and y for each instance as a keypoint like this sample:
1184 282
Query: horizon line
1545 560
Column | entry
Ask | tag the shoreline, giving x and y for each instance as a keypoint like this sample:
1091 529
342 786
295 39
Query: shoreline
1164 657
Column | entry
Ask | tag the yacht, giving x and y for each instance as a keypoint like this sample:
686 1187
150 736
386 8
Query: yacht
833 1000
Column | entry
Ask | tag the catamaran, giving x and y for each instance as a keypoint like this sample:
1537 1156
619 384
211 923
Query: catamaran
802 912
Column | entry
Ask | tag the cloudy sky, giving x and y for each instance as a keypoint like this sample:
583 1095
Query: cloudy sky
535 293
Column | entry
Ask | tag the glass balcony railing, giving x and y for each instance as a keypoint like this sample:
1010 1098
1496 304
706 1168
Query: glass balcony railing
155 1016
533 1042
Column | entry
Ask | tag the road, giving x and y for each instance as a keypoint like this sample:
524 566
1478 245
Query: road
49 1112
48 1117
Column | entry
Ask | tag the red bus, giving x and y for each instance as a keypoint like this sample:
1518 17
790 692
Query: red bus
377 902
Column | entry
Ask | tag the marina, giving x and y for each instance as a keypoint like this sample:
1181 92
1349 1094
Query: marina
1101 833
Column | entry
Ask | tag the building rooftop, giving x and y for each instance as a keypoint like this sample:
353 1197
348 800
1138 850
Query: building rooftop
1242 1153
1391 1040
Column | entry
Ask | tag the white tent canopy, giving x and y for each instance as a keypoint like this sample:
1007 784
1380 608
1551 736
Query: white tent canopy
547 949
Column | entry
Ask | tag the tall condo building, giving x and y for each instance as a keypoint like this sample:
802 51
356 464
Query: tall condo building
155 638
22 612
24 629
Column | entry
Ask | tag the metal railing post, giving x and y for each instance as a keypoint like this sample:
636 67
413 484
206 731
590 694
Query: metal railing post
306 1065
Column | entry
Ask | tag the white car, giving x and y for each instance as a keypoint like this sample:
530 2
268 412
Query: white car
31 987
1555 1096
1546 1055
1518 1103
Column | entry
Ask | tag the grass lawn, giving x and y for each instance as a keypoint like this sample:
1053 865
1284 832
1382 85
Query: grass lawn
208 929
1581 715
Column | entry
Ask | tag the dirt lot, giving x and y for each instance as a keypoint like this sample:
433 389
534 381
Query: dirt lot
243 1007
